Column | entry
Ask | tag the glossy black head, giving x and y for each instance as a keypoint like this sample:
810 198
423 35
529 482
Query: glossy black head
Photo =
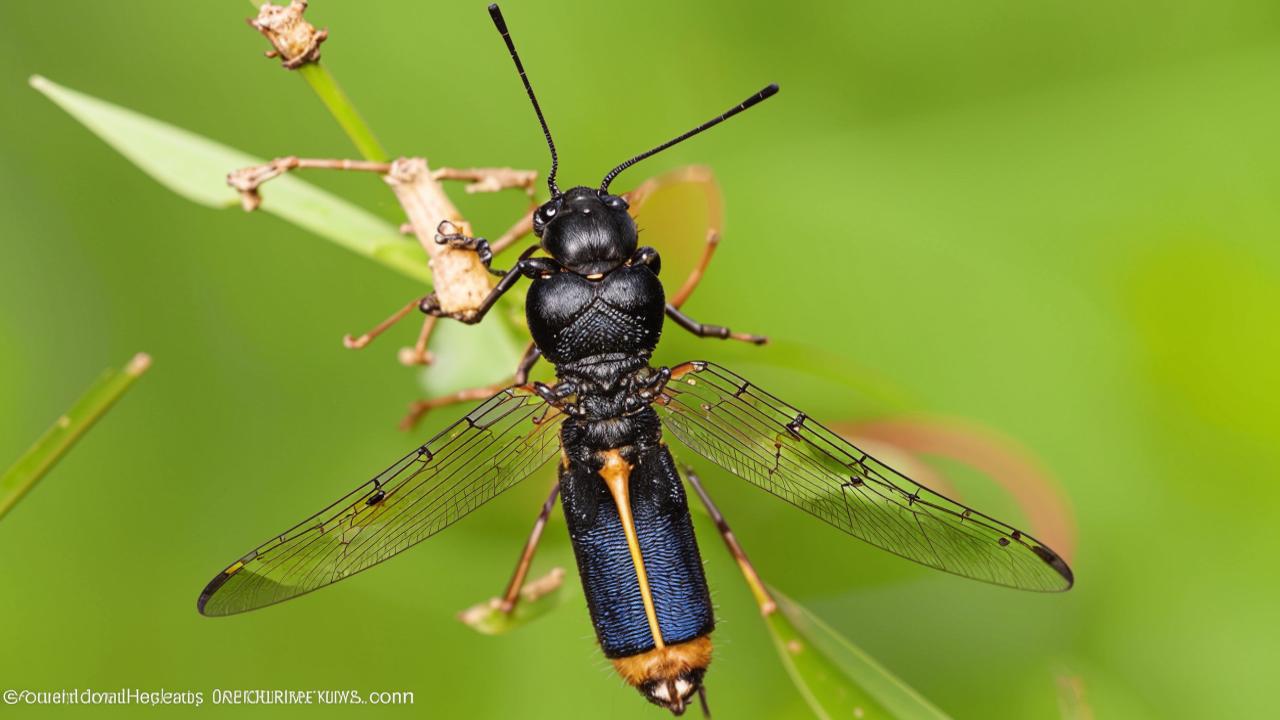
587 231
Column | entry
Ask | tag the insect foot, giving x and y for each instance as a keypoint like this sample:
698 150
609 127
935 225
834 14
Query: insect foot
650 386
449 234
556 396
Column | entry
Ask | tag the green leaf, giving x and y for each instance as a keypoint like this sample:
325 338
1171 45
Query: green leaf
57 440
196 168
836 678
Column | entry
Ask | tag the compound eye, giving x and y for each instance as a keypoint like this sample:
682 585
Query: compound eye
616 203
544 214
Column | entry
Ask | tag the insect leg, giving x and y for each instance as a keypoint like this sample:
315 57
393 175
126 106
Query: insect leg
450 234
355 343
695 276
422 407
430 306
701 178
649 257
763 599
512 595
495 180
531 355
556 396
715 331
525 266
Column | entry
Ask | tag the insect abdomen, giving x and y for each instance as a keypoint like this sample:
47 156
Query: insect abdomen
669 551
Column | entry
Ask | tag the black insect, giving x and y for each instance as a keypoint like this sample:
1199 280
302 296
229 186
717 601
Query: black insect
595 309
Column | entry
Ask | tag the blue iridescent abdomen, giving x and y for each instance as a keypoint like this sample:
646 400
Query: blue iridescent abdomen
669 549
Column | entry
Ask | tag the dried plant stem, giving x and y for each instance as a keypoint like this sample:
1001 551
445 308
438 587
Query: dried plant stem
355 343
418 355
490 179
422 407
522 228
57 440
461 280
247 181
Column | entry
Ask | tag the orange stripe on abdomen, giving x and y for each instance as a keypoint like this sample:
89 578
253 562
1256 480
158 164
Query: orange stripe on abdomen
617 477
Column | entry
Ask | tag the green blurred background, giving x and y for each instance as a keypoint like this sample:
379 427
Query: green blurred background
1056 220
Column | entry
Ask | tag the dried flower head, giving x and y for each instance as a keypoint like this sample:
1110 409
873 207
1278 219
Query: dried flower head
296 41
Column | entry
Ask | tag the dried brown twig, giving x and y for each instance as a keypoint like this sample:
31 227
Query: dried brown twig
247 180
490 179
461 281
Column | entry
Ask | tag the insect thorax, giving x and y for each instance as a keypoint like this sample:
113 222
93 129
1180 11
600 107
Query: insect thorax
579 322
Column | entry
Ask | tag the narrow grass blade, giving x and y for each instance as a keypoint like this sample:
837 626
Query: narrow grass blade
837 678
57 440
330 93
196 168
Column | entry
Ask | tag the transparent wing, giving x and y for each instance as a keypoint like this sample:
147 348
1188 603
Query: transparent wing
773 445
494 447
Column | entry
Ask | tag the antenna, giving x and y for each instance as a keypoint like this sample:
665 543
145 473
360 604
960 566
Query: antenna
768 92
501 24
